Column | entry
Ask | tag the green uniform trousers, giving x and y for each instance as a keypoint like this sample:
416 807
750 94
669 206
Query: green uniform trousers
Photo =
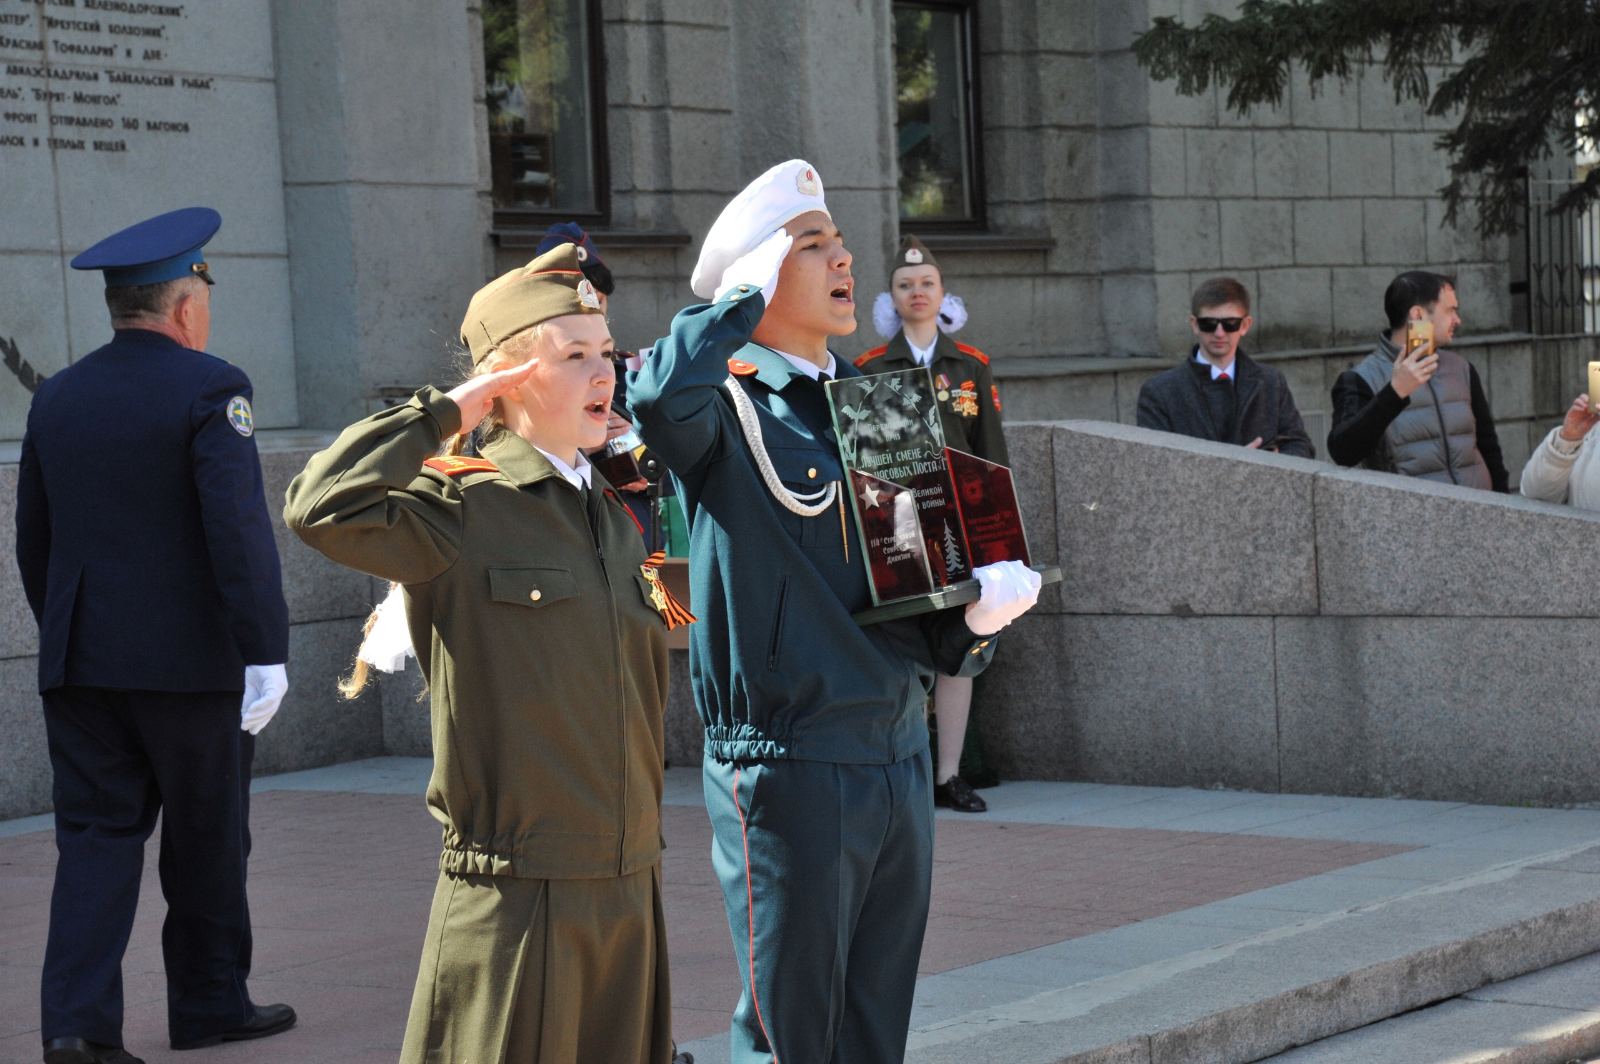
825 873
543 971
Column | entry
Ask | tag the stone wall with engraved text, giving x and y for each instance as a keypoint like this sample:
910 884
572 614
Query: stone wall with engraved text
115 110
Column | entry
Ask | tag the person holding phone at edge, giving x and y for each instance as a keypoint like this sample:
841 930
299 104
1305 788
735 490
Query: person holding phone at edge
1562 469
1413 407
816 767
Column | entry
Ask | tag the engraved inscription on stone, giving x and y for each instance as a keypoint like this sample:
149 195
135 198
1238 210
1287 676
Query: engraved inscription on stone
66 66
116 110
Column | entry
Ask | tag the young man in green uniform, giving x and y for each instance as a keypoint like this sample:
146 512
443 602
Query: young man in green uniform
816 758
969 413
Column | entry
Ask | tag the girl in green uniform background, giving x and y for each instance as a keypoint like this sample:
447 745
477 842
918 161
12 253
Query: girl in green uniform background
918 316
540 627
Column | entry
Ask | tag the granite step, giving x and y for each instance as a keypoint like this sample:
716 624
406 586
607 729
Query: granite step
1309 981
1548 1017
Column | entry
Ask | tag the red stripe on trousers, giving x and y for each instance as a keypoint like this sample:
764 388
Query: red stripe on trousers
750 911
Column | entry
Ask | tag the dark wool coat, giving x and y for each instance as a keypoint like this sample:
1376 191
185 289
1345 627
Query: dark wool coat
1261 405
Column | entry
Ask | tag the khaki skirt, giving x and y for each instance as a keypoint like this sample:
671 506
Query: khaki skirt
543 971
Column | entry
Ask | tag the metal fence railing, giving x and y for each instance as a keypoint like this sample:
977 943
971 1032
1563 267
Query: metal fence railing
1561 265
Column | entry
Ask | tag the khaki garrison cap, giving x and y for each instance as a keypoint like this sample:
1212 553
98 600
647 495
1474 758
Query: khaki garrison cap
912 253
550 286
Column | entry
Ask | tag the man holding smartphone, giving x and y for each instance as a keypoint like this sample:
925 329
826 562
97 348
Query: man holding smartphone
1412 407
1220 393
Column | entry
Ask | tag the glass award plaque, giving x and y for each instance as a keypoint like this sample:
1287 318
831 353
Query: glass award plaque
926 514
897 556
986 500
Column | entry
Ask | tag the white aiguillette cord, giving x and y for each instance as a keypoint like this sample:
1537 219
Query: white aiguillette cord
812 504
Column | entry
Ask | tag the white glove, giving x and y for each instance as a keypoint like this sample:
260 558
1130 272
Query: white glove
264 688
1009 590
758 268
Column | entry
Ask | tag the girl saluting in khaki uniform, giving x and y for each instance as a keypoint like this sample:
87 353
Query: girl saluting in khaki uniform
526 581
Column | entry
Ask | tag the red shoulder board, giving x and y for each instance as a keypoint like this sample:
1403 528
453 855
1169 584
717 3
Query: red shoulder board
968 349
881 349
740 368
457 466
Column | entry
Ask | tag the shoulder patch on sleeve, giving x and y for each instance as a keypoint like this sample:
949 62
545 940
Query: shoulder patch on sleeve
868 356
458 466
740 368
968 349
241 417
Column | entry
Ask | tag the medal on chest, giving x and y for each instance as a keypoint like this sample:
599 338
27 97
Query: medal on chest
964 400
673 613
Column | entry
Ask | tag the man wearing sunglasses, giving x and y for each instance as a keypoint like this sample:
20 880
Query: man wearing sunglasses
1219 393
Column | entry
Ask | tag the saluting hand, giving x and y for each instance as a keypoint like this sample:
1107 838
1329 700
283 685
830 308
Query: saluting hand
759 267
1413 370
477 396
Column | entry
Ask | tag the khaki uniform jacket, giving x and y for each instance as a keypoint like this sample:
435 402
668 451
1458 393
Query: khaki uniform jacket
546 663
969 400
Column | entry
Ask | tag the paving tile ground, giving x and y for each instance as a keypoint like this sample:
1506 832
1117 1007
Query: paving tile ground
1058 883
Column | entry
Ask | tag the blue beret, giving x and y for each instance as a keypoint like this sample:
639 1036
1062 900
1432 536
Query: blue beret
158 249
569 233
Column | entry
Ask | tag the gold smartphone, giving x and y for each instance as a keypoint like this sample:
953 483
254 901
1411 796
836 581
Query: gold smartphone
1418 334
1594 386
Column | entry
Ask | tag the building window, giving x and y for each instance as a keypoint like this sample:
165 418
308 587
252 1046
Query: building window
543 74
935 117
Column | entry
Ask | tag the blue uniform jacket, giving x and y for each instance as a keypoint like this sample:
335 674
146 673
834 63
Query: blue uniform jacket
778 668
143 536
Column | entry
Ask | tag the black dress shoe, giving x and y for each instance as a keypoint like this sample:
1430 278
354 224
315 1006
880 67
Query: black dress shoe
954 793
266 1020
80 1051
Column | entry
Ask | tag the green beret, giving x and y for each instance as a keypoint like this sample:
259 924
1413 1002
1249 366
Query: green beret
912 253
550 286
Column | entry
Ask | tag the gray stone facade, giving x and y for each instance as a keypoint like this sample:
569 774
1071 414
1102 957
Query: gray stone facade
347 145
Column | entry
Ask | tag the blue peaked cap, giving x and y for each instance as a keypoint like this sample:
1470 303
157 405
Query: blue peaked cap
569 233
157 249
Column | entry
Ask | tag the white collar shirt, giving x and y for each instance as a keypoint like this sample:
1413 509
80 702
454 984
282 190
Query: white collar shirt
809 368
578 476
1217 371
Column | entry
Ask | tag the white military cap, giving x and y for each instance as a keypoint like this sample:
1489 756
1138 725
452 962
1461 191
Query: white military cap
783 193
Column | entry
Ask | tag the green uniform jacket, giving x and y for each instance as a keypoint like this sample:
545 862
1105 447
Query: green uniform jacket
546 663
969 401
778 667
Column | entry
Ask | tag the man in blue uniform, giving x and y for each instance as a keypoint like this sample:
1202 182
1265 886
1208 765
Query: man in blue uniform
147 558
816 758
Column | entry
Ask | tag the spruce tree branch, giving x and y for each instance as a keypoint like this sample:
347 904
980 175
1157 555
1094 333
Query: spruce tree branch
1511 73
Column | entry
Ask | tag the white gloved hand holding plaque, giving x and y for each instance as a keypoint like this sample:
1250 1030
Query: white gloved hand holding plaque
1010 589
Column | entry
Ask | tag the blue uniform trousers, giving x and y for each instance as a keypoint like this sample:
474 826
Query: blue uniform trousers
120 758
825 873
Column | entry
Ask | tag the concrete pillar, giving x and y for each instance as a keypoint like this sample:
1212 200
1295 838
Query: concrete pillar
382 179
817 81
